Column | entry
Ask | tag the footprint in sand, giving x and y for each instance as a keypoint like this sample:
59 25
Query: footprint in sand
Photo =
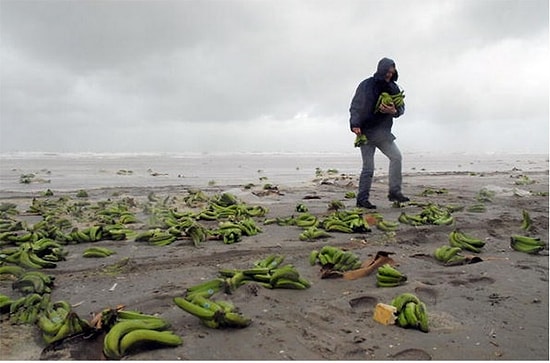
426 294
473 281
411 354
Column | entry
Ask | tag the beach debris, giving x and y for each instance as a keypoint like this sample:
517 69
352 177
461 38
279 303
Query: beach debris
370 265
389 276
385 314
526 244
31 178
411 312
457 238
124 172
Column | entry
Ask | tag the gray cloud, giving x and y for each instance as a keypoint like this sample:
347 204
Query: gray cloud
148 68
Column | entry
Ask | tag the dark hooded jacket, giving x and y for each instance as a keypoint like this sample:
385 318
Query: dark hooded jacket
375 126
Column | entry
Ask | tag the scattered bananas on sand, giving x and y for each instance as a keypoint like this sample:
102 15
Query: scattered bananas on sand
526 244
334 259
313 233
213 314
389 276
133 329
346 221
34 282
411 312
43 253
457 238
449 255
268 272
97 252
387 226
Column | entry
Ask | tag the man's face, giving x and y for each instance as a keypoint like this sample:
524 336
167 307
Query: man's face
389 74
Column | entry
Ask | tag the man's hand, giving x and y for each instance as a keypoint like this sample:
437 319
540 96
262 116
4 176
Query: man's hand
388 109
356 130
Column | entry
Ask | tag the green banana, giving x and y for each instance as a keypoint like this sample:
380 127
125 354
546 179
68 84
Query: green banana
387 270
526 222
422 316
111 341
235 320
410 314
13 270
138 337
530 245
194 309
313 257
402 299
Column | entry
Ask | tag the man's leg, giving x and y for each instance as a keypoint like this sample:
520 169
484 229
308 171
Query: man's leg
365 179
391 150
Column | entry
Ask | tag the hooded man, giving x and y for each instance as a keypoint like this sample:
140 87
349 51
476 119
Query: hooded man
376 125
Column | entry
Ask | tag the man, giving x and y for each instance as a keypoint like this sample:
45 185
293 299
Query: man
376 126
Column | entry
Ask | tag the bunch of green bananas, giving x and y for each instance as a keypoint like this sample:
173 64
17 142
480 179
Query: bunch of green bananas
34 282
449 255
303 220
198 233
335 259
27 309
43 253
278 277
134 329
59 323
350 195
389 276
388 100
411 312
313 233
458 238
155 237
97 252
232 231
213 314
350 221
412 220
386 226
530 245
360 140
526 222
437 215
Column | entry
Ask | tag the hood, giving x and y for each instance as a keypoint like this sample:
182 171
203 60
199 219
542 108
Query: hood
383 65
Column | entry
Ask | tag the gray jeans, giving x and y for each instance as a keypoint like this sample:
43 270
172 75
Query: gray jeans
388 148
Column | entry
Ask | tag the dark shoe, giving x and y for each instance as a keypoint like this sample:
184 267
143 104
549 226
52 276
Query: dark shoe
398 197
366 204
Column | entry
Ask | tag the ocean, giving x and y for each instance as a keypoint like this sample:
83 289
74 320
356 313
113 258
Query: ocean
38 171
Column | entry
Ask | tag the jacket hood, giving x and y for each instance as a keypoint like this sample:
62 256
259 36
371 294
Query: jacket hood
383 65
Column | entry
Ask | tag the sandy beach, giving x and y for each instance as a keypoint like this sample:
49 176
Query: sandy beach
494 309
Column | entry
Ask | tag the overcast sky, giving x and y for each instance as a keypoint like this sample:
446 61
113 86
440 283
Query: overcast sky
269 75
